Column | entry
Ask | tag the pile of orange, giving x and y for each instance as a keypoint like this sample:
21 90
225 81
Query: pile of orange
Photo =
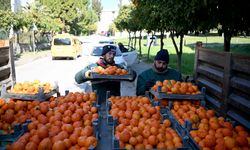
140 125
213 132
189 110
60 123
30 87
111 70
176 87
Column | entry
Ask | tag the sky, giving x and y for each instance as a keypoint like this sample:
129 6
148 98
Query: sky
112 4
109 4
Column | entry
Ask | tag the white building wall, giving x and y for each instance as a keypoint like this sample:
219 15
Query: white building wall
17 5
107 18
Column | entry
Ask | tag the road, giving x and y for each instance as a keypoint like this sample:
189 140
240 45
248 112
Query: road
63 71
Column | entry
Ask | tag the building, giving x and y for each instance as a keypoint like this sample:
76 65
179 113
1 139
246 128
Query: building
108 16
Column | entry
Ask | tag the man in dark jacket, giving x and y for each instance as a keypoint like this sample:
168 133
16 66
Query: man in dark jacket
101 86
158 72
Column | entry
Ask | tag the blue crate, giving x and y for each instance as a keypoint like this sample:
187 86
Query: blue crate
19 130
95 125
193 144
185 138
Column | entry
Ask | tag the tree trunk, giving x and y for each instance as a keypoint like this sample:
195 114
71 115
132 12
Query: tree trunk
178 51
150 46
140 44
18 37
135 40
175 46
227 41
129 38
162 37
179 62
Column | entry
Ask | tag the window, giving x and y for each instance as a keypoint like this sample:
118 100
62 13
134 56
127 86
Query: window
97 51
62 41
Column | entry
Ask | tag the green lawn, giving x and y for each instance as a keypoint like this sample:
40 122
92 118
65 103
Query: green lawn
238 45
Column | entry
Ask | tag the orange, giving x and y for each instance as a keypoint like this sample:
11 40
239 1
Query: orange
209 141
242 141
167 123
125 136
133 141
239 128
227 132
243 134
152 140
229 142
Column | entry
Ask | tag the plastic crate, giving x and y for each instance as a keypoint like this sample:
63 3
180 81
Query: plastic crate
185 138
183 132
187 124
161 95
19 130
187 127
128 77
40 96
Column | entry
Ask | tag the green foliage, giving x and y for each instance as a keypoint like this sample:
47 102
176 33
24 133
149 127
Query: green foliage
123 20
5 5
6 19
97 7
88 23
75 15
112 28
42 17
233 16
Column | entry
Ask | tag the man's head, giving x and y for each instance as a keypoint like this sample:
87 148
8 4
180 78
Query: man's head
161 60
108 53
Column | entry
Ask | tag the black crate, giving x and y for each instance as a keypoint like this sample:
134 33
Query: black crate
128 77
161 95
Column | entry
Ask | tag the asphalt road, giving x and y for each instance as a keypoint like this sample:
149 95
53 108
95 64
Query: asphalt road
63 71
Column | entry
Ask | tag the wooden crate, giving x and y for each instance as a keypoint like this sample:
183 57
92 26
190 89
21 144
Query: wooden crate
7 66
226 77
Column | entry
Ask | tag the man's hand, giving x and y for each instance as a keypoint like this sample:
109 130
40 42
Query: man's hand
149 84
87 74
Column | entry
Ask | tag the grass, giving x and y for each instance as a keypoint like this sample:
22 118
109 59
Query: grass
239 45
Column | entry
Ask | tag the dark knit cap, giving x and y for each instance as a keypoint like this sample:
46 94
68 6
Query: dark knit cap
108 48
162 55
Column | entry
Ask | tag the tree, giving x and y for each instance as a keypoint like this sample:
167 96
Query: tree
74 14
97 7
6 19
42 17
150 18
177 17
123 18
88 24
233 18
5 5
112 29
